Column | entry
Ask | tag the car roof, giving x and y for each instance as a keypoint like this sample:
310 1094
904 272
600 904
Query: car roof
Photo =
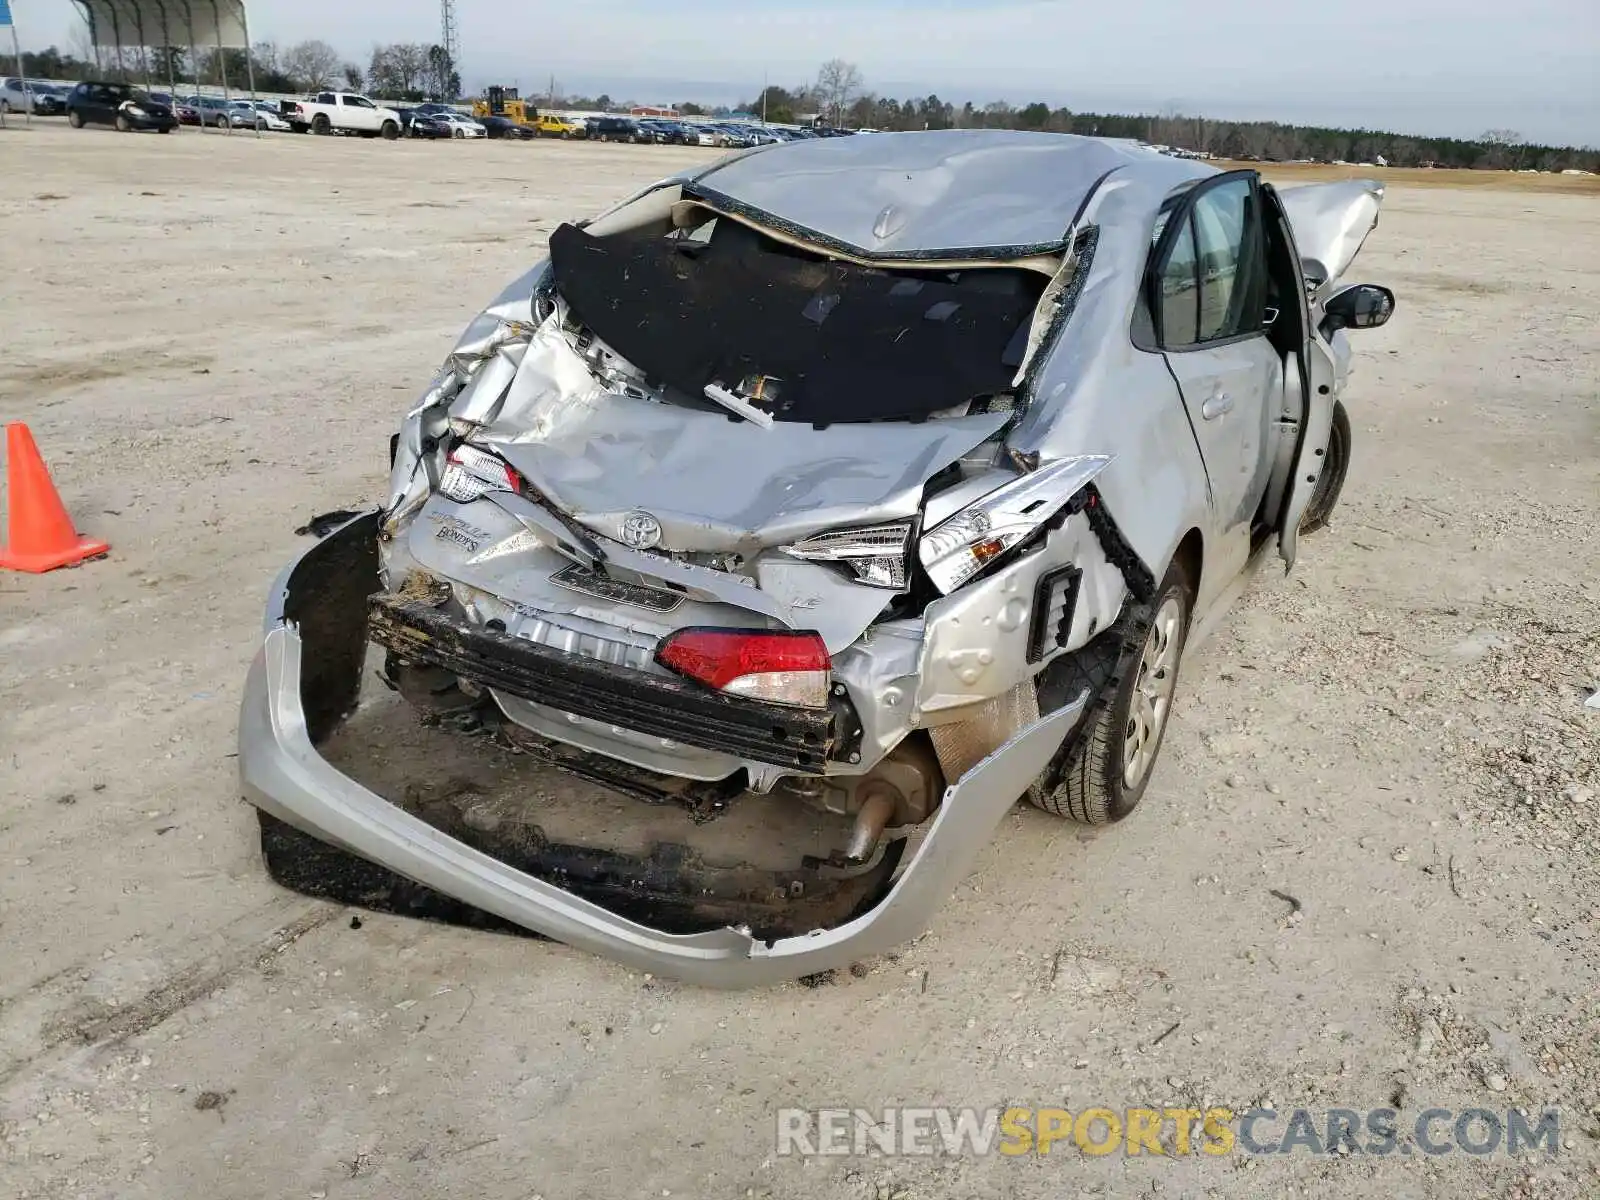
998 192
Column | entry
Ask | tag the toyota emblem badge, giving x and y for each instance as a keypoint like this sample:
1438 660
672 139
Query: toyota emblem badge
640 530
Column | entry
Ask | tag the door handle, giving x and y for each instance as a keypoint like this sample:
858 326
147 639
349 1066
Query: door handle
1216 406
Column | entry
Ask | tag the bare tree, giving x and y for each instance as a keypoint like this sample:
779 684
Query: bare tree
998 114
838 83
266 56
1505 147
410 64
314 65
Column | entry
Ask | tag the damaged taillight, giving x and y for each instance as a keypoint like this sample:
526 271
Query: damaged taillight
875 554
780 667
470 473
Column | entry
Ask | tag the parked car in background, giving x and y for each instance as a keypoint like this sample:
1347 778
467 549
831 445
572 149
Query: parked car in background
186 113
437 108
461 125
705 135
342 112
250 114
120 104
270 115
654 131
415 123
506 128
614 129
213 110
31 96
735 137
551 125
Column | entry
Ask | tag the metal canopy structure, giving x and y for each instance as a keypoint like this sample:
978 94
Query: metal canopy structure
137 25
127 24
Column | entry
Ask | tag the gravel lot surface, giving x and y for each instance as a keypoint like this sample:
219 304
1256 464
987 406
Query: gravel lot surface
212 338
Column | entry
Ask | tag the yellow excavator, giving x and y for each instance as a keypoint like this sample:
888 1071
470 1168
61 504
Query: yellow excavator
500 101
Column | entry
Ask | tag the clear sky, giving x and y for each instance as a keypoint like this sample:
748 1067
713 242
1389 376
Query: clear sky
1453 67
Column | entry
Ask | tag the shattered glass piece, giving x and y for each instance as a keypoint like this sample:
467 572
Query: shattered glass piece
819 306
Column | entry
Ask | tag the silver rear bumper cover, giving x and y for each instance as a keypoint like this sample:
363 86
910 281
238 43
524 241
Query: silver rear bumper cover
283 774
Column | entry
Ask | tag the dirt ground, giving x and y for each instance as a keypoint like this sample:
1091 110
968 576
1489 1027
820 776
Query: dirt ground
212 338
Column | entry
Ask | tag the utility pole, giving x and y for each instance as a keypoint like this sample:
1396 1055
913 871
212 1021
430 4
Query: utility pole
450 39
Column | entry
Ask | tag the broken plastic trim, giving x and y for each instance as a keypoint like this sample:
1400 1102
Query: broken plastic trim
1140 581
1082 254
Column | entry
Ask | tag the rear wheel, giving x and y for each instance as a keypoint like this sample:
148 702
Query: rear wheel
1334 467
222 121
321 125
390 131
75 119
1131 671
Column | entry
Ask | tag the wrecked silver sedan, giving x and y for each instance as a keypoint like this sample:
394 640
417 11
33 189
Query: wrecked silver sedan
856 487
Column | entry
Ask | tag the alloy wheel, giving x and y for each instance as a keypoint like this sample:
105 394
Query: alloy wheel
1152 692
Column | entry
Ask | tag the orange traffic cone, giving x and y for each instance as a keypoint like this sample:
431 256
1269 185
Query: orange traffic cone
42 534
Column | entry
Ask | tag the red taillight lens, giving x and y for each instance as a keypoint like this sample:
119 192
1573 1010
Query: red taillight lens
470 473
782 668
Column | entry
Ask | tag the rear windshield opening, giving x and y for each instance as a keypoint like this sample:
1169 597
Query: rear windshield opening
804 337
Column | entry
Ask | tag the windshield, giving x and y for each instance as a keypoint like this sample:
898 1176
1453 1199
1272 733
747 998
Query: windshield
818 340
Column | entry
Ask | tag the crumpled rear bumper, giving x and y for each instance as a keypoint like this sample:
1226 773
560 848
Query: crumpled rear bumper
305 680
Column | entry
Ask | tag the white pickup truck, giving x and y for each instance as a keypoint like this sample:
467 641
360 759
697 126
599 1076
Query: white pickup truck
342 112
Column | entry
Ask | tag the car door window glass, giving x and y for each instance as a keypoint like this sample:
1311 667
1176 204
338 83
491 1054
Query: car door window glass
1228 242
1179 292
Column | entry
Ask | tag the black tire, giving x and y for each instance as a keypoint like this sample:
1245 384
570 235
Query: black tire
75 119
1088 780
1331 482
320 125
122 124
223 123
166 129
390 131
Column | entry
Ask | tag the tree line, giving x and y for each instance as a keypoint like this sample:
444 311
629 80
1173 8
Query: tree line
838 97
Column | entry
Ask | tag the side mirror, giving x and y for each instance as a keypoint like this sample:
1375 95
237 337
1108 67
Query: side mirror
1360 306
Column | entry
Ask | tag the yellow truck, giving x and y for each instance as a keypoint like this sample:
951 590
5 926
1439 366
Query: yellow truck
550 125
